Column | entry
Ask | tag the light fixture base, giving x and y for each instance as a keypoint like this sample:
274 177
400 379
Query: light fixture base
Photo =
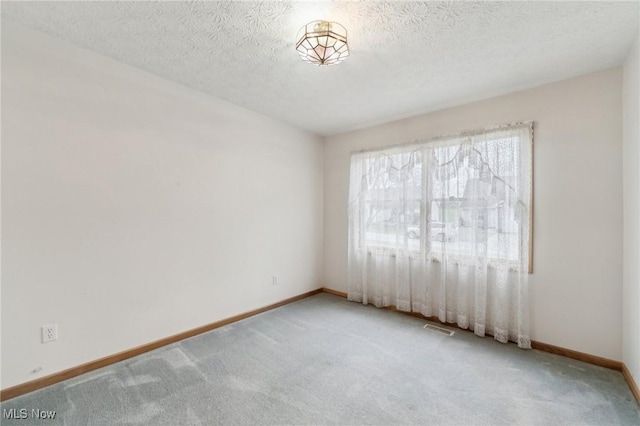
322 43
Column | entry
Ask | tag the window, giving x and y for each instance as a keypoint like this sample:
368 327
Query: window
465 196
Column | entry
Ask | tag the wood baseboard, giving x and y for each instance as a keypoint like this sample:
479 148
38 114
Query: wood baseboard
334 292
632 383
580 356
545 347
42 382
569 353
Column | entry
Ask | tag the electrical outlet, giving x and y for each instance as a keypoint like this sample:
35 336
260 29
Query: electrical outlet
49 333
275 280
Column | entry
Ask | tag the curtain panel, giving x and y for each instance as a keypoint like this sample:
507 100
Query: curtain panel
441 227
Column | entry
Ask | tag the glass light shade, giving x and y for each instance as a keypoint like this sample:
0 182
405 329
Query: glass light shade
322 43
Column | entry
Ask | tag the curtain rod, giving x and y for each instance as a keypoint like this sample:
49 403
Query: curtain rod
518 124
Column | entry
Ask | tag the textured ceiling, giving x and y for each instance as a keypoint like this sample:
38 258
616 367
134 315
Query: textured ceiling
406 57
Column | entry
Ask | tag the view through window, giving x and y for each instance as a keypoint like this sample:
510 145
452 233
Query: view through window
465 196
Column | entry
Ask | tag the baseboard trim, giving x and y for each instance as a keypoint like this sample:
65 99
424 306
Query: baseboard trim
334 292
632 383
580 356
544 347
42 382
569 353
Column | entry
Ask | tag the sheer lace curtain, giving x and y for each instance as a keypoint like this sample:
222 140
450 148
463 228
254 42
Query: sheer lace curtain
442 228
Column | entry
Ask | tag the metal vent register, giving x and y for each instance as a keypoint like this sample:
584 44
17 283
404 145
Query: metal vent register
440 330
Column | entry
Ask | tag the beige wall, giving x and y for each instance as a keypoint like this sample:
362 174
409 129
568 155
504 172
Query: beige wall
134 208
576 292
631 184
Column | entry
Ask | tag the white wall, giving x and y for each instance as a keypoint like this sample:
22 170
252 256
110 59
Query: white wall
631 184
135 208
576 291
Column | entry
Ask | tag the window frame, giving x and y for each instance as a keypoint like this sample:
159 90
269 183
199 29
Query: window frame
398 149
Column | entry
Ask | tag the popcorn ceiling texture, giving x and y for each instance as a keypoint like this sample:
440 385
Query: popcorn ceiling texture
406 57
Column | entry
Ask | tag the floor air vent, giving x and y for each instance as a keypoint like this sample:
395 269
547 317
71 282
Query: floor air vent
440 330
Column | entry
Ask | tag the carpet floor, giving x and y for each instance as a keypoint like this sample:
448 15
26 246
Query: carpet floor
323 360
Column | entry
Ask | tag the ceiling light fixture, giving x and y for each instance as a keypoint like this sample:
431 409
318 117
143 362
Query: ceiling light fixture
322 43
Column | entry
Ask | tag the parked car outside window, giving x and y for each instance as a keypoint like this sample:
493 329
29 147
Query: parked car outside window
440 231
